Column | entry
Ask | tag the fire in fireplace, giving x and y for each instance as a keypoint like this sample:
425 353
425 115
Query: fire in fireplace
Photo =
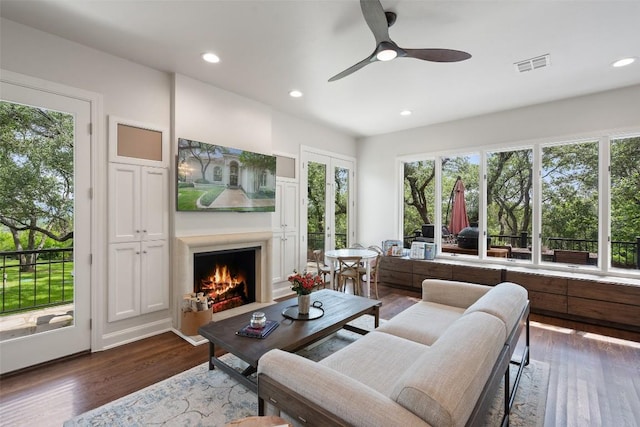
227 278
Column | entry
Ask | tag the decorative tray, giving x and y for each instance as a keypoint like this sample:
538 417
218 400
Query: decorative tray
292 313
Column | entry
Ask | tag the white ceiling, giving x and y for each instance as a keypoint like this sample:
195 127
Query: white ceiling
268 48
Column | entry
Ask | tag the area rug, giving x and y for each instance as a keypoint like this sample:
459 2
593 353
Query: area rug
199 397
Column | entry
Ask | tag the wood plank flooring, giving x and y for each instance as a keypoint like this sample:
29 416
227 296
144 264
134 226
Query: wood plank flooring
594 380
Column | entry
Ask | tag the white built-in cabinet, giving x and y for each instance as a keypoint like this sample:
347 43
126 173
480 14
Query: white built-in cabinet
286 233
138 264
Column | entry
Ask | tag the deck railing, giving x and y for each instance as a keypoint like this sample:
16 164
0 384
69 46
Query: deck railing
623 254
36 279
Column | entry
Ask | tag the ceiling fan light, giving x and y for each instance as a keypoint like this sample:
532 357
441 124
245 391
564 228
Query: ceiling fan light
386 55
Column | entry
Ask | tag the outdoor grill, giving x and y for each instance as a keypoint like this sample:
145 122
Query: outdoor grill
468 238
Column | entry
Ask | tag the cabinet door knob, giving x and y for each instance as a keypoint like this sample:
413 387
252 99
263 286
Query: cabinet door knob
137 231
137 252
144 252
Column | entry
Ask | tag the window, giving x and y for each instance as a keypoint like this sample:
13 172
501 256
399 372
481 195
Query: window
217 173
419 195
509 201
625 202
570 203
548 204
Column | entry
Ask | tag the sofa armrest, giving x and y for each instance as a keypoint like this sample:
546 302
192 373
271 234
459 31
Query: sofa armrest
452 293
325 391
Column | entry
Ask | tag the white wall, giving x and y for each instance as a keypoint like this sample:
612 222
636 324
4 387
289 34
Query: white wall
378 174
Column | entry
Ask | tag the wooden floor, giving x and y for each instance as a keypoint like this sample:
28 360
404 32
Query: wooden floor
594 380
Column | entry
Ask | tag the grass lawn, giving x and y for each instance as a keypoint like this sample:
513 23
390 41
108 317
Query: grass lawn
188 196
50 284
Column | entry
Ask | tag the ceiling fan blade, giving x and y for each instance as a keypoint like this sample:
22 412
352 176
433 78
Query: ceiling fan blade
354 68
376 19
436 55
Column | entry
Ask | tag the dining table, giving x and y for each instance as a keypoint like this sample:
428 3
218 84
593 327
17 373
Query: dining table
367 256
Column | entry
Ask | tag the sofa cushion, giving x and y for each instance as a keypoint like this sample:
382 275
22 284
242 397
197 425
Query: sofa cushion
377 360
423 322
443 385
449 292
505 301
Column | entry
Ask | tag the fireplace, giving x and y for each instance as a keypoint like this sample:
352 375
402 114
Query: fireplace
188 247
227 278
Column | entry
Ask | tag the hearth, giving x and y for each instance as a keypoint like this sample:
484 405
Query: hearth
227 278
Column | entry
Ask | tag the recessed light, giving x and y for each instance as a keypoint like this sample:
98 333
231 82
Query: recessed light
623 62
295 94
210 57
405 112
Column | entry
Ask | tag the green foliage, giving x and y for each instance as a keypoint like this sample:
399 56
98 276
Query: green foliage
509 192
625 189
468 169
185 185
36 172
570 191
258 161
419 194
316 196
211 195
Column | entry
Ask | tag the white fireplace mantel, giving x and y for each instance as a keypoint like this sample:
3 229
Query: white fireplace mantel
187 246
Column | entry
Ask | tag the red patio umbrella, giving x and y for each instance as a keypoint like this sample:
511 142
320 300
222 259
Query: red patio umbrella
459 218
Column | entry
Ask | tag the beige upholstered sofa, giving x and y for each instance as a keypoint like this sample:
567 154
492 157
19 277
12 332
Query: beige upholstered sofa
438 363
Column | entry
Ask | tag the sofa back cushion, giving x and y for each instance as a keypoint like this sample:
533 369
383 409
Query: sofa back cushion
449 292
505 301
444 383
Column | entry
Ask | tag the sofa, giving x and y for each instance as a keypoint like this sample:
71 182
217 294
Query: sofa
438 363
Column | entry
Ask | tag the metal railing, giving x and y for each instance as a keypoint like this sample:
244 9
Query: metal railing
36 279
623 254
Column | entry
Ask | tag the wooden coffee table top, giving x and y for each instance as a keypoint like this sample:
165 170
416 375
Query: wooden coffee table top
290 335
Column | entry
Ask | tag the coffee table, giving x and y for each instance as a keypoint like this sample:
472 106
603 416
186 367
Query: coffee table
291 335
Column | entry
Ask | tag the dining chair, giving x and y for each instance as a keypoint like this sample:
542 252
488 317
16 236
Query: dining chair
349 269
373 268
356 246
323 270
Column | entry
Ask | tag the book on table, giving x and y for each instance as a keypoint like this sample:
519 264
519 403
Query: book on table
248 331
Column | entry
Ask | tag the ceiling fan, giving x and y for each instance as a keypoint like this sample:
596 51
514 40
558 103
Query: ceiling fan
386 49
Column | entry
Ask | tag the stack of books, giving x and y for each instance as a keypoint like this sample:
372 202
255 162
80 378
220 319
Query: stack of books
250 332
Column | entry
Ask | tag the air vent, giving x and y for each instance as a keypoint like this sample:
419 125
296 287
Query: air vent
533 63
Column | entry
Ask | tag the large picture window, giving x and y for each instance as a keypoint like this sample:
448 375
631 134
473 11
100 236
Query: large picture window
510 201
570 203
547 204
625 202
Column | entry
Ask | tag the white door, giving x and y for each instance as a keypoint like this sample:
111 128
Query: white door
31 349
329 202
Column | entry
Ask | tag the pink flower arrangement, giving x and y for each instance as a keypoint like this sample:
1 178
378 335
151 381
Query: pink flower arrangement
304 283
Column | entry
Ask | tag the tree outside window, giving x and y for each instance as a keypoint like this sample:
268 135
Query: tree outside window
625 202
570 203
509 200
